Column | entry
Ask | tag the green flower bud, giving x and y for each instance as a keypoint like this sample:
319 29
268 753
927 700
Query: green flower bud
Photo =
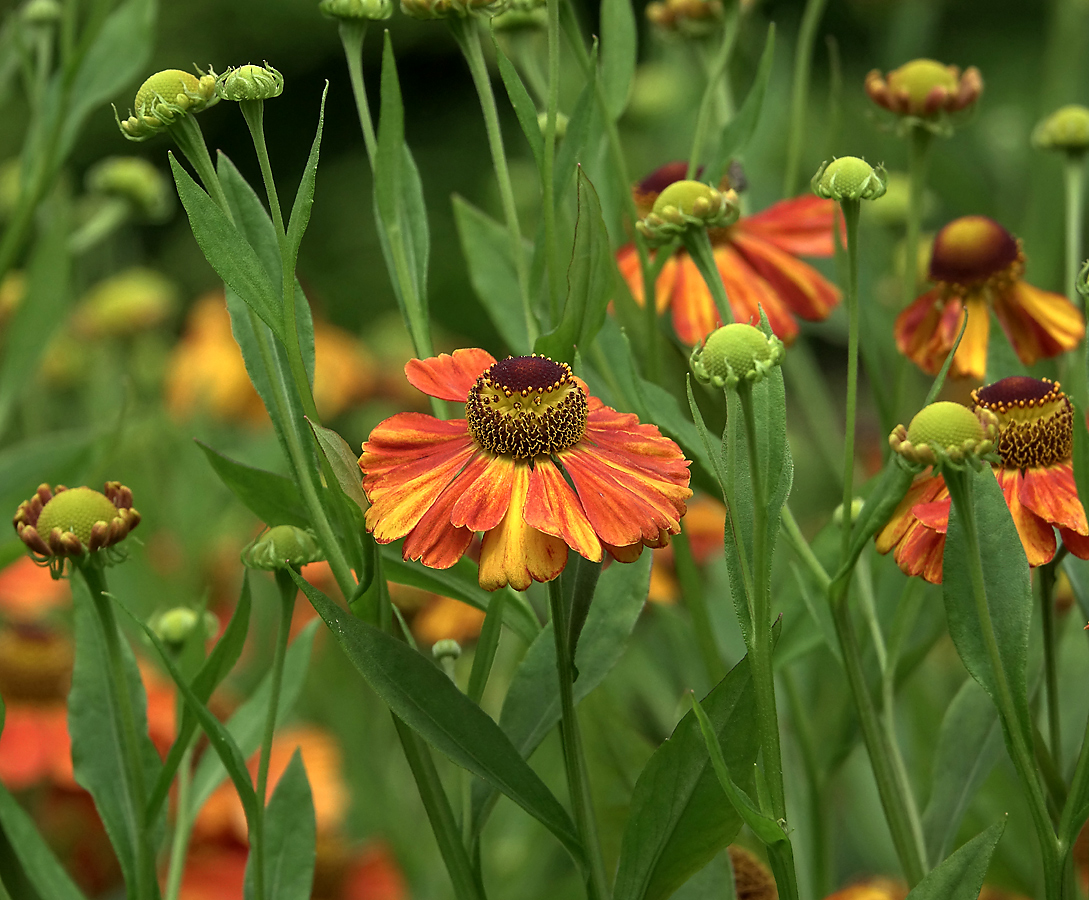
856 507
849 178
688 205
946 433
131 301
250 82
447 648
735 353
135 180
282 547
175 626
357 9
1065 129
561 121
444 9
164 98
522 15
42 12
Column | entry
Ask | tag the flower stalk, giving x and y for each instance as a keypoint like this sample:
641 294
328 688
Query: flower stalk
851 210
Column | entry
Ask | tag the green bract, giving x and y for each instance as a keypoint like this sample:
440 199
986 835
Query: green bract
250 82
735 353
282 547
164 98
357 9
685 206
849 178
946 433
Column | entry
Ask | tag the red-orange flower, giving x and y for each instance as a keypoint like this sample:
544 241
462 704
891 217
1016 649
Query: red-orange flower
498 471
976 266
757 259
1035 442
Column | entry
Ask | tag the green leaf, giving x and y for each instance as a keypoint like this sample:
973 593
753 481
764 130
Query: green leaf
221 740
421 696
486 246
98 753
618 47
590 280
344 462
524 107
739 130
764 827
228 252
40 867
40 315
460 583
970 722
304 196
574 139
960 877
248 721
391 137
680 818
1009 595
272 498
215 668
531 708
290 836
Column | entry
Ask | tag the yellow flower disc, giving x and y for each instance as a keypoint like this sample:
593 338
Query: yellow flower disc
919 77
944 424
76 510
736 347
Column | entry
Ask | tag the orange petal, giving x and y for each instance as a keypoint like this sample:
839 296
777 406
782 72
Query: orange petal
515 553
435 540
799 286
1040 324
1076 543
627 554
801 226
446 376
920 552
934 516
971 358
694 313
1037 536
749 293
407 462
552 507
1052 494
915 328
627 261
484 493
924 489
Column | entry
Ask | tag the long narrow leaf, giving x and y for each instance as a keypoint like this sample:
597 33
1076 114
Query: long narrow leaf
272 498
304 196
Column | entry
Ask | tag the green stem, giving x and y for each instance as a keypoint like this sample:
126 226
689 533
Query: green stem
961 492
1051 667
90 567
288 591
789 527
1074 183
183 826
548 163
899 805
468 39
597 886
696 602
698 244
851 209
799 98
819 832
716 72
352 33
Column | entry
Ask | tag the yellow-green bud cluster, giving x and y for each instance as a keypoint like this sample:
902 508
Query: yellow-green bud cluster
685 206
250 82
357 9
163 99
1065 129
849 178
175 626
282 547
136 181
946 433
735 353
445 9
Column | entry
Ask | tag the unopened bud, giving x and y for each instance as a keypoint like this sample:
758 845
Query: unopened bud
1065 129
685 206
164 98
282 547
849 178
357 9
250 82
735 353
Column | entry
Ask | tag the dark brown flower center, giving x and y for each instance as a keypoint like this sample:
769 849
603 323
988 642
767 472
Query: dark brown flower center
526 406
973 251
1035 421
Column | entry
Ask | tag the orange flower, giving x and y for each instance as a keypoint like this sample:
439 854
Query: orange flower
28 592
757 259
498 471
1035 442
704 524
872 889
977 266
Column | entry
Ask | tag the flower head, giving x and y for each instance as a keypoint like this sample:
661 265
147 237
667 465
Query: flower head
1065 129
686 205
734 354
945 433
849 178
282 547
250 82
69 522
687 18
924 92
163 99
135 181
501 471
444 9
757 257
357 9
976 266
1034 422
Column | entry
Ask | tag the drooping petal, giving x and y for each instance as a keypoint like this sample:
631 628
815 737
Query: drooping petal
935 515
801 226
407 462
971 358
1037 536
1052 494
435 541
628 554
484 493
1040 324
748 293
926 331
799 285
1076 543
924 489
694 313
448 376
552 507
921 552
627 261
514 552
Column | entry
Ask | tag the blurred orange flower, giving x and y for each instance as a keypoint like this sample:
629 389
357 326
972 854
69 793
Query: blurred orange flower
28 592
705 526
